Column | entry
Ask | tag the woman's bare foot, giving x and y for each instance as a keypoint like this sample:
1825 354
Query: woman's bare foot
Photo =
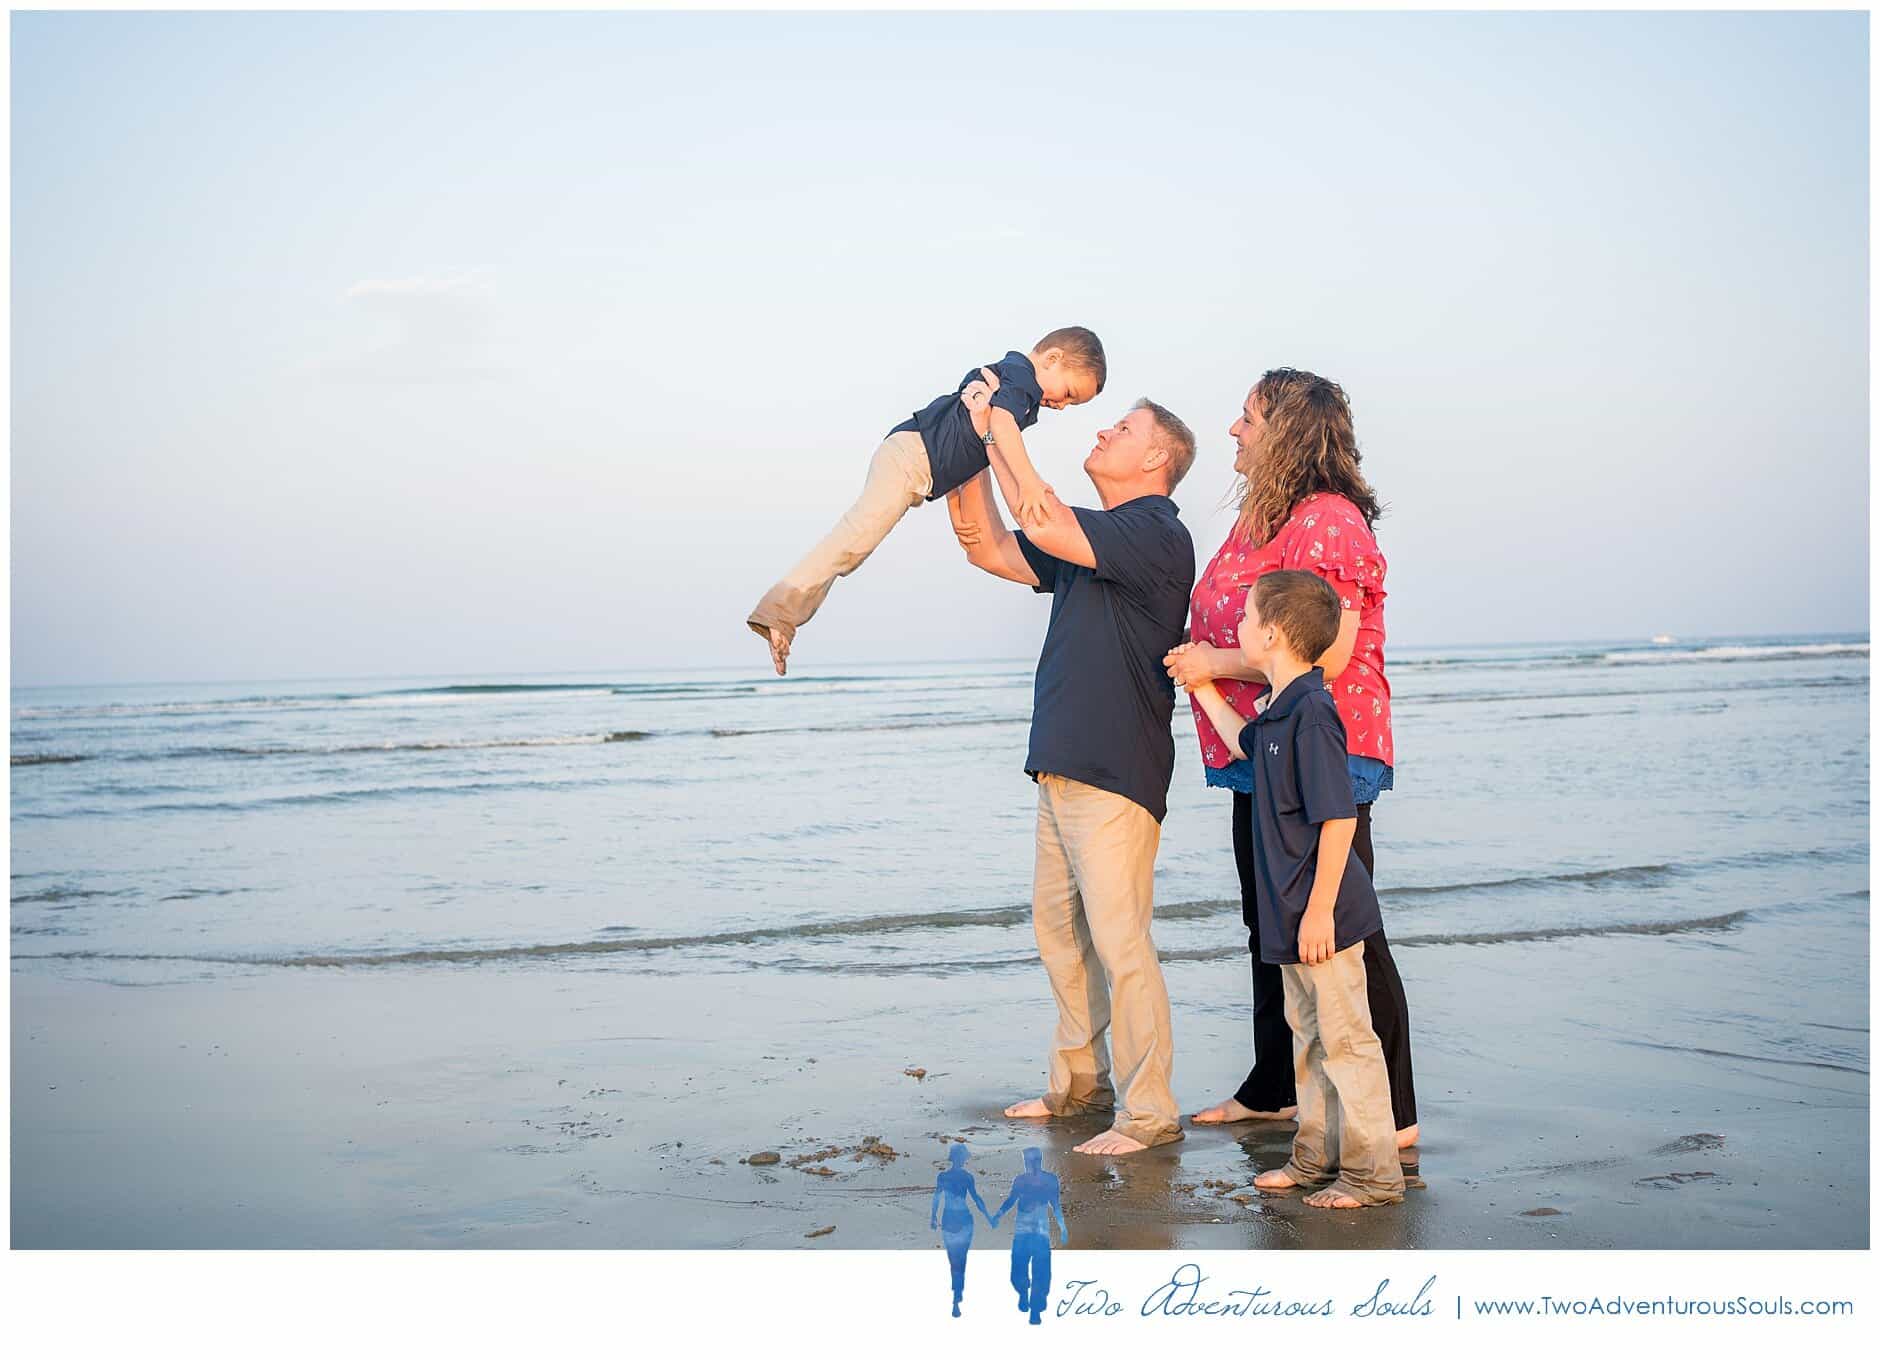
1274 1180
1407 1137
1110 1143
1332 1198
1028 1109
1231 1111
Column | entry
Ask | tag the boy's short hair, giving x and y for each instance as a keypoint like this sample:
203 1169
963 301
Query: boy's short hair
1303 607
1082 350
1172 436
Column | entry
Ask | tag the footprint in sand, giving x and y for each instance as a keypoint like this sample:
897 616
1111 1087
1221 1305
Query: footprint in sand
1671 1180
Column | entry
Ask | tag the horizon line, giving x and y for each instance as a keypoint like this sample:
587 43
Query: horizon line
1630 640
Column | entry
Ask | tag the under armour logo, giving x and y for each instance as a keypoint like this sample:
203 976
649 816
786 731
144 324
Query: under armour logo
1272 748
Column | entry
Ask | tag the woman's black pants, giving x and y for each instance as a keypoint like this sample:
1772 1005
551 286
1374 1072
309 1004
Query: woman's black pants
1269 1086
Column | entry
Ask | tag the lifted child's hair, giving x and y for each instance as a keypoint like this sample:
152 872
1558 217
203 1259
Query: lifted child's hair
1303 607
1081 349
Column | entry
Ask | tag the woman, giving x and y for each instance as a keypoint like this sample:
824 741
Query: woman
1304 505
950 1190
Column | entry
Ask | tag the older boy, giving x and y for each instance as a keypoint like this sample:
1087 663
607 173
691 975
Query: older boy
1316 902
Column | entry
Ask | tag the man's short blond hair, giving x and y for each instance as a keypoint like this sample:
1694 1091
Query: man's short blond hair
1173 437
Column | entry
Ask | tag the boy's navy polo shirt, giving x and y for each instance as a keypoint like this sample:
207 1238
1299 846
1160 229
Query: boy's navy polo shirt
1101 701
955 453
1300 780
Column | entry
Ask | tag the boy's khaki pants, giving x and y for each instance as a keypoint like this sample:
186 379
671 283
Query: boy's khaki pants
1093 893
899 478
1338 1069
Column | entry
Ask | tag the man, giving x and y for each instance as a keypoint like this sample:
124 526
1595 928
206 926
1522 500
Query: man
1101 753
1039 1200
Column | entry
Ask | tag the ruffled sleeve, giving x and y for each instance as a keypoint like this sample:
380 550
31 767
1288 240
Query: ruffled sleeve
1330 538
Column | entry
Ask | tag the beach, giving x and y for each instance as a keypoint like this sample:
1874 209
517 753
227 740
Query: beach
466 1108
415 970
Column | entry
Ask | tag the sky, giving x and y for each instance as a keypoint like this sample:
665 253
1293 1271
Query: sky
366 344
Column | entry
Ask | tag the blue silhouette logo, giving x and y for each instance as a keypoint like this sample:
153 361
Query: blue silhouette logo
950 1214
1036 1195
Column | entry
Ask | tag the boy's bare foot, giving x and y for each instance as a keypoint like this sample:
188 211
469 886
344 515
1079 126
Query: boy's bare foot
1332 1198
1231 1111
779 645
1407 1137
1274 1180
1110 1143
1028 1109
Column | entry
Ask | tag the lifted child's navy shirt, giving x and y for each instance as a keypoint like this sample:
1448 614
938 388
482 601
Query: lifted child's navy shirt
1301 780
955 454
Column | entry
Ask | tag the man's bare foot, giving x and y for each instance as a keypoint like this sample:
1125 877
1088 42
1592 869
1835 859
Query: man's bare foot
1331 1198
1407 1137
779 644
1274 1180
1110 1143
1231 1111
1028 1109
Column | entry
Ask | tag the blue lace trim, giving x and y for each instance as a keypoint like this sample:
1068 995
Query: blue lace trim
1236 775
1369 777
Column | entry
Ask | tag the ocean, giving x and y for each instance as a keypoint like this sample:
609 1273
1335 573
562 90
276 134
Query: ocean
877 819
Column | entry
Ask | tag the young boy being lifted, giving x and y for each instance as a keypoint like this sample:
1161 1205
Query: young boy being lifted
931 453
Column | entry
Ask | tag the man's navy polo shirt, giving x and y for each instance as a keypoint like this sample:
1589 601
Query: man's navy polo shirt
1300 780
954 452
1101 701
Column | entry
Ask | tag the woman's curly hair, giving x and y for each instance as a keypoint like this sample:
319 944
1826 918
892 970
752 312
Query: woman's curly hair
1308 447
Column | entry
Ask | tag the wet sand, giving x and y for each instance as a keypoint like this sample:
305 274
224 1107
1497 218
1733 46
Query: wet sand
1574 1093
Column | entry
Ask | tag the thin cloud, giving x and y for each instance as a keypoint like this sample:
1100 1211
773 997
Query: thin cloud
422 285
427 328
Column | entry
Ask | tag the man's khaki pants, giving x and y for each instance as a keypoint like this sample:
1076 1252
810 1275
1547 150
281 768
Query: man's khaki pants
1338 1071
899 478
1092 896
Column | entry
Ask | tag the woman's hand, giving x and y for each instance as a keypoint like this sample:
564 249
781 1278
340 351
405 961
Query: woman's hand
976 397
1191 664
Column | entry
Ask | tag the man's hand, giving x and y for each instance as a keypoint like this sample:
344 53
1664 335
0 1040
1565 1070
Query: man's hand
1317 937
976 397
1191 664
967 531
1034 497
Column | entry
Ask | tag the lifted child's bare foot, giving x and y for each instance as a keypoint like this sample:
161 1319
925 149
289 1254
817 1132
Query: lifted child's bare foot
779 642
1110 1143
1407 1137
1331 1197
1275 1181
1028 1109
1231 1111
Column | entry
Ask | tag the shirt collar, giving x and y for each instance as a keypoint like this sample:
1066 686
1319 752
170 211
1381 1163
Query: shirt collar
1013 357
1293 695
